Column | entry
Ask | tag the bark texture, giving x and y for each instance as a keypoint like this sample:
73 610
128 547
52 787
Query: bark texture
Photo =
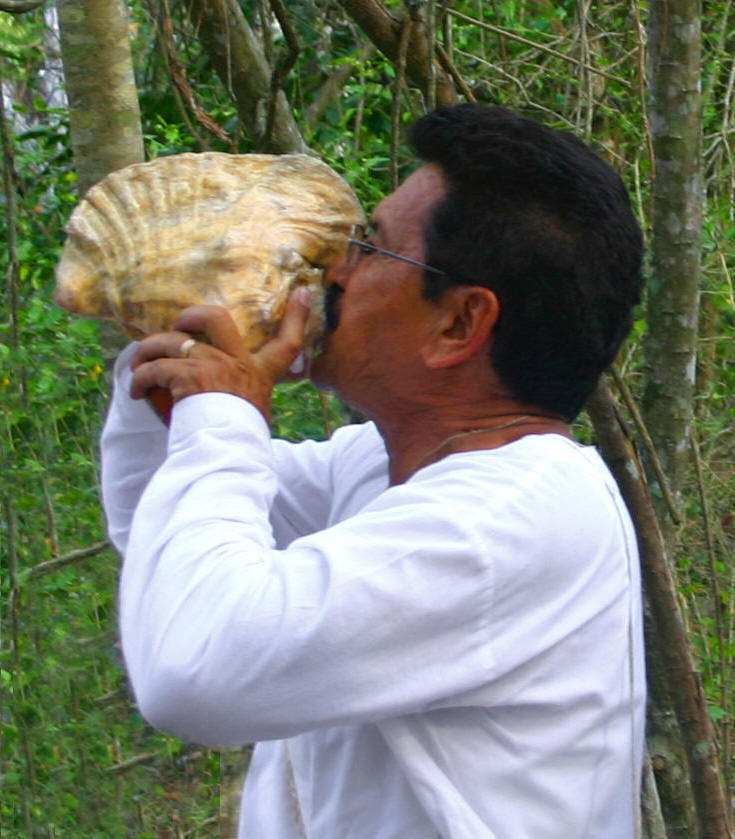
674 37
674 111
17 7
666 629
233 765
331 90
384 30
104 116
240 63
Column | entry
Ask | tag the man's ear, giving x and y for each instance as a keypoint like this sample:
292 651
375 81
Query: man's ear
466 317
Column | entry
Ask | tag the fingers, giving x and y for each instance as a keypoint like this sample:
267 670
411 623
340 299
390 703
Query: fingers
215 324
170 361
279 353
162 345
173 361
165 373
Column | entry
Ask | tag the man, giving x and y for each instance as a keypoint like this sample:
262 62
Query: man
430 623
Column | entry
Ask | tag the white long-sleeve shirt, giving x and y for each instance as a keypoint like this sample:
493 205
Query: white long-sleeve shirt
456 656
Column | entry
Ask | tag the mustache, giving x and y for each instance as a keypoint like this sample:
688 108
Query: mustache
331 310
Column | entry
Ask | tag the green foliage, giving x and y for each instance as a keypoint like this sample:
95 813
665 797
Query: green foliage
20 44
67 721
69 727
300 412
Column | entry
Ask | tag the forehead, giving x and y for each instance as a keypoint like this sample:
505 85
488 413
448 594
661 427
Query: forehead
406 210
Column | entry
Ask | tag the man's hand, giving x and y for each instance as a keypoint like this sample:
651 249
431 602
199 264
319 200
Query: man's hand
223 364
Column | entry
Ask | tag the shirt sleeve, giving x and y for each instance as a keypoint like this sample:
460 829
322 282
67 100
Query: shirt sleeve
134 443
132 446
303 500
228 639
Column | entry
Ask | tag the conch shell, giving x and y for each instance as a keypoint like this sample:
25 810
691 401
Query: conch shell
239 231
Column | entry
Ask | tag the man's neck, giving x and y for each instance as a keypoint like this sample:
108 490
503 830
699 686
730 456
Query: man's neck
416 437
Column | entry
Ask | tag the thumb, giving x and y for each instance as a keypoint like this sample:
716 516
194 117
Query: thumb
278 353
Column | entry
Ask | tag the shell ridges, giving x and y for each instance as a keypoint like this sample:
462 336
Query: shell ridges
237 230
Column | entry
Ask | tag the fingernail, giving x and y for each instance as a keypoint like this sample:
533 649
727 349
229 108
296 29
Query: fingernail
303 295
298 364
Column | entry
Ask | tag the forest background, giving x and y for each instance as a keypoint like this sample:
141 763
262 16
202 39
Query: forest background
651 86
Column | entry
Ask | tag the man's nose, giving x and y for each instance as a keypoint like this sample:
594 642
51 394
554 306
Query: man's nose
338 273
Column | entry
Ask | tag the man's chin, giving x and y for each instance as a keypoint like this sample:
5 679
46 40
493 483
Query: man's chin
319 368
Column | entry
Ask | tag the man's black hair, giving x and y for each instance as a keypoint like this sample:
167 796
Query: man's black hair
533 214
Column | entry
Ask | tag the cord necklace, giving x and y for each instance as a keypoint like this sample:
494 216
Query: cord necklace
522 419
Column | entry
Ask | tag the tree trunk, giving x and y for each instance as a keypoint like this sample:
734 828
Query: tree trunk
673 296
674 37
104 117
233 765
241 65
666 631
384 30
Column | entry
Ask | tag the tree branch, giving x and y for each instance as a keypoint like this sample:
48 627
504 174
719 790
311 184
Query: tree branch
131 763
17 7
329 92
283 64
650 448
406 28
512 36
671 641
52 565
717 601
384 31
178 76
447 63
239 61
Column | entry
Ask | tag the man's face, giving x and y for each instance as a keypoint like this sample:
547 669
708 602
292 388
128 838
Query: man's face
378 317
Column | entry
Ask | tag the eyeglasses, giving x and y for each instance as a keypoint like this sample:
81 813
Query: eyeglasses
357 247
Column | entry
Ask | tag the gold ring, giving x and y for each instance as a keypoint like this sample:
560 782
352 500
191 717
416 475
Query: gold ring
186 347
